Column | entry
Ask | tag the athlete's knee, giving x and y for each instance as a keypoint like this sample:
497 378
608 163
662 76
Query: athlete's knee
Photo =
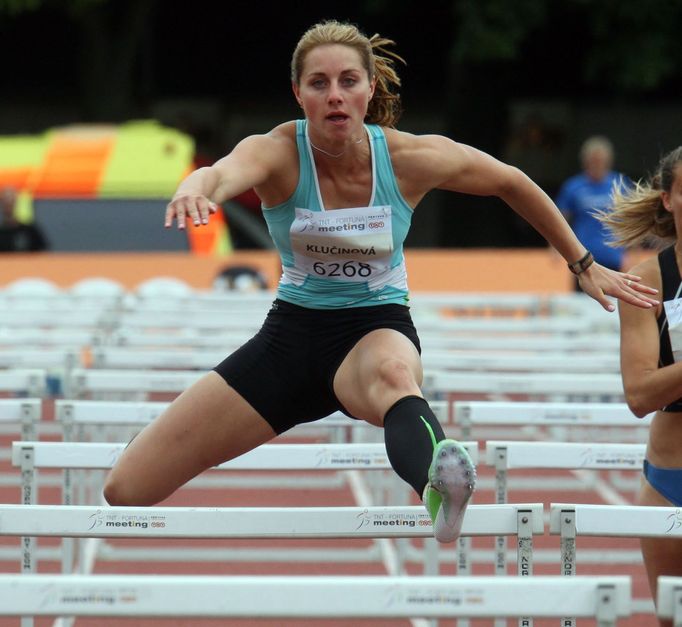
395 373
119 493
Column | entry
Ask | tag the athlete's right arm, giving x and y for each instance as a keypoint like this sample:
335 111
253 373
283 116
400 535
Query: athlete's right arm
252 162
647 386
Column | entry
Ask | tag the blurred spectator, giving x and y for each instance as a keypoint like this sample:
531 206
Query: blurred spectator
583 194
15 236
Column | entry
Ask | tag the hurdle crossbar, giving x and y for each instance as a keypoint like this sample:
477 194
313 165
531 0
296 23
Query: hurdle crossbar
511 454
669 599
569 344
257 522
30 380
624 521
503 325
478 360
544 413
138 413
84 380
607 598
103 455
541 383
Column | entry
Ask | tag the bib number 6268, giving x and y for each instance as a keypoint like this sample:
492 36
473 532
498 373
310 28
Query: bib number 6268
348 269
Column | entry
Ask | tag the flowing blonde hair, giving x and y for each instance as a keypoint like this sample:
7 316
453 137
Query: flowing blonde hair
637 215
384 108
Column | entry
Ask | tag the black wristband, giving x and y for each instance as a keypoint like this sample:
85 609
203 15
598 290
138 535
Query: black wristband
578 267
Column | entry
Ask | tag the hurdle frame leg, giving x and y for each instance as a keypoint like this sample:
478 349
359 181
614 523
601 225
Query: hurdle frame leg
500 497
29 418
28 497
568 556
524 552
606 608
677 607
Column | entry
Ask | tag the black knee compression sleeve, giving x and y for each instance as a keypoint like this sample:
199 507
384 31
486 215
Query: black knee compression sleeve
411 431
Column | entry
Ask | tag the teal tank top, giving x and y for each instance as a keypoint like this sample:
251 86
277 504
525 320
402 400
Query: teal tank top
342 257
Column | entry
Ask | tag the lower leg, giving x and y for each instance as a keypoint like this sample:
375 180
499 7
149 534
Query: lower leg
662 556
439 469
411 433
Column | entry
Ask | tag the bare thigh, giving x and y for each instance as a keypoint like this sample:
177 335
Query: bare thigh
209 423
661 556
383 367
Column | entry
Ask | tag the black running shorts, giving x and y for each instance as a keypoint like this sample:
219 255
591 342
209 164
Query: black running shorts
286 371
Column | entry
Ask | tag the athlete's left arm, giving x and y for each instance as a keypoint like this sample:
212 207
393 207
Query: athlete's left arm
457 167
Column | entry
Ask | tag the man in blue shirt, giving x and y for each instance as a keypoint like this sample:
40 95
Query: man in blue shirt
591 190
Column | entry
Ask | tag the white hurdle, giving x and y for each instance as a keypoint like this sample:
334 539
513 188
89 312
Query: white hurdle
509 361
510 455
472 360
332 456
24 413
74 414
31 521
83 381
568 344
33 456
569 520
540 384
669 602
546 414
505 455
606 598
31 381
409 521
621 521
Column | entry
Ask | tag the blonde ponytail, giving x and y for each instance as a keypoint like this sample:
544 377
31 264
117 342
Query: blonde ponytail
637 215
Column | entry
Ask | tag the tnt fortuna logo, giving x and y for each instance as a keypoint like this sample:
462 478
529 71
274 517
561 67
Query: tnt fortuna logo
364 519
96 520
675 520
101 519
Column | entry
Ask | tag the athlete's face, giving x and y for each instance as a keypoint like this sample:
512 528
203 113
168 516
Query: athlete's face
334 90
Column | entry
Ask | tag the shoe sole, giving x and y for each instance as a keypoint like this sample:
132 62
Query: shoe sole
453 475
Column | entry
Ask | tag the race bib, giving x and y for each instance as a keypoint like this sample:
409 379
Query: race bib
673 312
343 244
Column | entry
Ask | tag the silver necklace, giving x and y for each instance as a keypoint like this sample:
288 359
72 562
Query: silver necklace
331 154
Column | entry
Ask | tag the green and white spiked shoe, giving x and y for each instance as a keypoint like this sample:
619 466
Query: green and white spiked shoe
452 479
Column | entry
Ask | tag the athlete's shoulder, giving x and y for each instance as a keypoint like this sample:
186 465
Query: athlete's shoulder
286 131
649 269
278 143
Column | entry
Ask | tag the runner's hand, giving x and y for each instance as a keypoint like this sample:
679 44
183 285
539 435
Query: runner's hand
193 207
598 282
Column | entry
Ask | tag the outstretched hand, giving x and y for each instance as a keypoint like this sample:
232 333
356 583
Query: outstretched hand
194 207
598 282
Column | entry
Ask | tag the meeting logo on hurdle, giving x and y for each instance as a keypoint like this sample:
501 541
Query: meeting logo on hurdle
334 458
367 518
675 520
423 597
604 458
77 597
102 519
